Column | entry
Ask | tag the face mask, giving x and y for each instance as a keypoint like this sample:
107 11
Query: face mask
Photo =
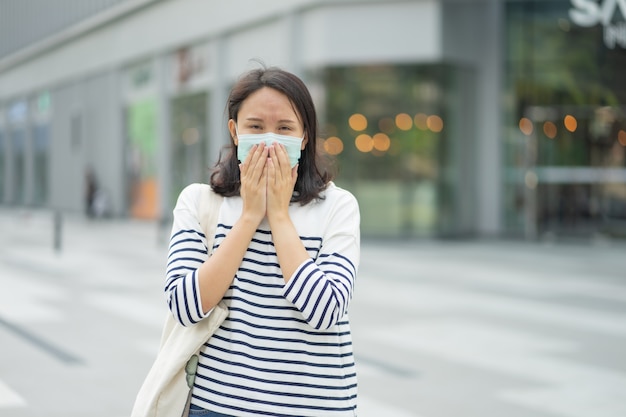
292 144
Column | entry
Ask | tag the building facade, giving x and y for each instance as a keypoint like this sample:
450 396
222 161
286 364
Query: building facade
447 118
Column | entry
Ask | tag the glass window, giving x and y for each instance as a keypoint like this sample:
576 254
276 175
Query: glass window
188 142
395 130
141 170
565 122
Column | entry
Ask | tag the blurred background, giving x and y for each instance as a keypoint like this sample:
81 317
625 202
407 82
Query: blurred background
484 139
448 118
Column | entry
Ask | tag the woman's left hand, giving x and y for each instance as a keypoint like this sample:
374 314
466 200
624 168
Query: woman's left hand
281 180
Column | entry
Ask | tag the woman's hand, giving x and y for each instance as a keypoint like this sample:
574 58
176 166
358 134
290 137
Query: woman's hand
253 174
281 180
217 272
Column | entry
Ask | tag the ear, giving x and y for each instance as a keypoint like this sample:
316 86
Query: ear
233 132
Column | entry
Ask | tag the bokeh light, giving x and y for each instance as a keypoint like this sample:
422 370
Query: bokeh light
357 122
526 126
549 129
421 121
381 142
435 123
404 121
570 123
333 145
531 180
364 143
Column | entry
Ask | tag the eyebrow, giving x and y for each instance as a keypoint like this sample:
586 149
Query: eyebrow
258 119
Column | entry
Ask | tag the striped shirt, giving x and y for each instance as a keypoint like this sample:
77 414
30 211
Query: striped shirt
285 349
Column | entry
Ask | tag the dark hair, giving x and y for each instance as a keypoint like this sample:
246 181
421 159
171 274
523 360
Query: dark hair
313 175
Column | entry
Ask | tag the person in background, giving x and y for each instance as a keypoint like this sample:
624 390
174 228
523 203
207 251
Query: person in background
285 260
91 188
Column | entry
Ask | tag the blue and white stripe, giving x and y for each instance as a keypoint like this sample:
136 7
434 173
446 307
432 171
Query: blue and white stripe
285 349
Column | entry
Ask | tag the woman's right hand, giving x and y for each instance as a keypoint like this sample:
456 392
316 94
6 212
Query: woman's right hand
253 174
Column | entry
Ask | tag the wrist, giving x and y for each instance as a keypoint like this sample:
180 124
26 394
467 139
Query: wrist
276 219
251 220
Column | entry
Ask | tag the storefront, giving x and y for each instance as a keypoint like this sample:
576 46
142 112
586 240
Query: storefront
398 133
565 118
446 118
188 102
140 124
397 99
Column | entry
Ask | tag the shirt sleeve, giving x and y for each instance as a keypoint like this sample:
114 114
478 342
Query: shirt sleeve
187 252
322 288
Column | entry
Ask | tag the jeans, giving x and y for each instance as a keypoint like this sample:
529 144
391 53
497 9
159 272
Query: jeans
194 410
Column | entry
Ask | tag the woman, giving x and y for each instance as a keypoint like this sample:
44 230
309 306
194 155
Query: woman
284 260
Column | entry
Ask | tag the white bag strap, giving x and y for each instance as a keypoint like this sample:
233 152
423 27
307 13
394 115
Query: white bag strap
165 390
209 204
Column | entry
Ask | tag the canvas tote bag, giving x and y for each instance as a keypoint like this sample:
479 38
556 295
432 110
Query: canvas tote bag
165 392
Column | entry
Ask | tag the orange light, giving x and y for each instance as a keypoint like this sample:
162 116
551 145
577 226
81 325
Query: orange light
421 121
364 143
333 145
621 137
570 123
404 121
549 129
434 123
526 126
381 142
357 122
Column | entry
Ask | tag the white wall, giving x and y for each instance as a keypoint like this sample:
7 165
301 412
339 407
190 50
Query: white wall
154 30
92 106
373 32
350 32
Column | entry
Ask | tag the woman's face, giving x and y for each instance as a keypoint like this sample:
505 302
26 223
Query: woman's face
267 110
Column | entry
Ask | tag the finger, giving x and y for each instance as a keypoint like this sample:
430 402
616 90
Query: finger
264 175
271 168
283 157
260 164
259 153
256 159
294 173
248 162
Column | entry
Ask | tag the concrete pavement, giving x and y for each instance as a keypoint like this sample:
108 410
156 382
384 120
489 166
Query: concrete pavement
441 329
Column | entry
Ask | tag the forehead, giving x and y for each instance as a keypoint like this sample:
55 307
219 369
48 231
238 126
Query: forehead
268 103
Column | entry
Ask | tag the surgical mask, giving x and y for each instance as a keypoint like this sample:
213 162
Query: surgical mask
247 141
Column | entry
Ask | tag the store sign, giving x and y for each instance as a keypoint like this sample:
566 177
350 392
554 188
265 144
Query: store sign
139 82
190 67
611 14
